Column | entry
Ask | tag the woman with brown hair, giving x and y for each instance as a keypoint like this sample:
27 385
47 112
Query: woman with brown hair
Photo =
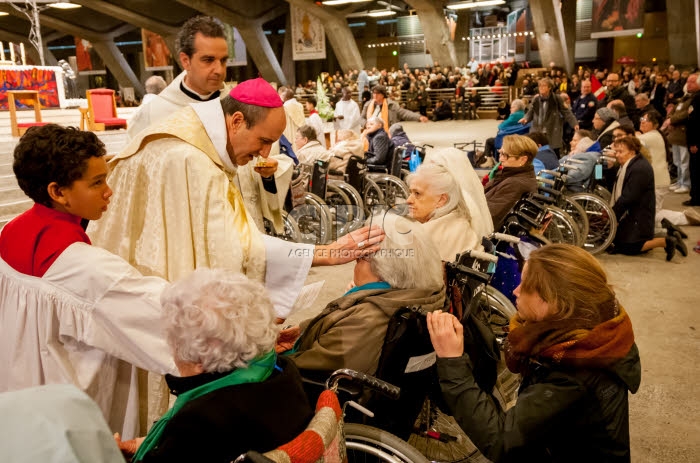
573 343
514 177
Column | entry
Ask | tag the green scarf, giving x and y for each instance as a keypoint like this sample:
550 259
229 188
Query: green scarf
257 371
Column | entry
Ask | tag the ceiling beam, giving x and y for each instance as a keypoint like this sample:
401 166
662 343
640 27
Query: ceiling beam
274 13
59 25
121 30
128 16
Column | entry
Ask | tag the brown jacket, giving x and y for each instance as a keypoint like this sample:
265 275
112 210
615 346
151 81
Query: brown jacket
506 188
342 151
350 331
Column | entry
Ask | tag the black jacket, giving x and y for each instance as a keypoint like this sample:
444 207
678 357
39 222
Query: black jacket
635 208
225 423
693 122
380 148
562 415
584 109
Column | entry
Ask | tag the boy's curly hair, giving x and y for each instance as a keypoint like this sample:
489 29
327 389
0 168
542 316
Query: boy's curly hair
52 153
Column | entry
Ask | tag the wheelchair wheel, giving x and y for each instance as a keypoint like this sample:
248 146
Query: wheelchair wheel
291 229
368 444
499 311
562 228
373 197
602 192
313 219
577 213
602 224
395 191
341 214
352 211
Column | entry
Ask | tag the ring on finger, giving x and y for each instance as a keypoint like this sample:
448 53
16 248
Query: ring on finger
361 244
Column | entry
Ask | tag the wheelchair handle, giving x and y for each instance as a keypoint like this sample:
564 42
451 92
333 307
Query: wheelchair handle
546 180
553 173
483 256
357 377
576 161
505 237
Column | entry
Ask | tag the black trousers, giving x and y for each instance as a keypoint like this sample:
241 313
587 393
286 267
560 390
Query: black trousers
694 168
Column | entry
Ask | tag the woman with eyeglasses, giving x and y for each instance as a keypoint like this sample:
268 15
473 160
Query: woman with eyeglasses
515 177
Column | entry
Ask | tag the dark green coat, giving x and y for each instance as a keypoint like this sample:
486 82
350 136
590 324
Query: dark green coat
560 415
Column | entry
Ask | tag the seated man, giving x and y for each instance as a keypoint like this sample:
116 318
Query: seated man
350 331
71 312
380 147
233 393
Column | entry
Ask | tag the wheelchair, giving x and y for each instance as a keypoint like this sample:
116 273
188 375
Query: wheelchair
407 360
328 439
380 191
595 201
388 178
306 205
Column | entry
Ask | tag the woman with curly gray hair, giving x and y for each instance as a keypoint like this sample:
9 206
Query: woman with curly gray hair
233 393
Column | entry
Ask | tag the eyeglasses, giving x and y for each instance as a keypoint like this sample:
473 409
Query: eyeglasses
644 119
507 156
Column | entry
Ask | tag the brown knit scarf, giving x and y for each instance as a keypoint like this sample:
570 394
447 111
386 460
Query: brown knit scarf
566 342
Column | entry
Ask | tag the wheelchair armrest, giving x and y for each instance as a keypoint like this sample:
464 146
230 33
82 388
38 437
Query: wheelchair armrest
314 383
339 173
377 168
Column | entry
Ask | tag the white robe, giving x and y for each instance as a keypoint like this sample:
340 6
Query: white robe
176 207
260 203
457 163
350 111
654 142
295 118
314 120
452 235
90 321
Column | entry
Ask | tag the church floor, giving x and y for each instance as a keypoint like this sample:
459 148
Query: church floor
663 300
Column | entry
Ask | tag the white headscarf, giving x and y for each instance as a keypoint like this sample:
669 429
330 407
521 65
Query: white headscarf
457 163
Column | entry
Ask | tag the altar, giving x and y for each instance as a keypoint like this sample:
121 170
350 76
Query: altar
47 80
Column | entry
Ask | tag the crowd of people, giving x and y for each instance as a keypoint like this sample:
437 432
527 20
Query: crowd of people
172 275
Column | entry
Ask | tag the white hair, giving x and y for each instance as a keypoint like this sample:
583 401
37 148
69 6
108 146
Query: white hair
218 318
376 119
407 258
520 104
440 181
155 85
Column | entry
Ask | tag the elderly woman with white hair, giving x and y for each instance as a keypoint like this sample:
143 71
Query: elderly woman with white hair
437 203
463 174
233 393
350 331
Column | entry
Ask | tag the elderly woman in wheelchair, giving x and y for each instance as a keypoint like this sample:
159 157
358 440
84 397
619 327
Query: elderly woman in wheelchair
233 393
350 331
447 198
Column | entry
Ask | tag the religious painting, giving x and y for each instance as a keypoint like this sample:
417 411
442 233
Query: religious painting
308 36
41 80
614 18
156 54
236 47
451 20
89 62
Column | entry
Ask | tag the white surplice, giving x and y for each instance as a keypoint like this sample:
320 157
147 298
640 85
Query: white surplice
90 321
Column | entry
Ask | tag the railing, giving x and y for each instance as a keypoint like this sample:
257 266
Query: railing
490 100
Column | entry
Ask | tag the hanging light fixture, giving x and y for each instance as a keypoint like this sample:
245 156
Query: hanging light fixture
475 4
64 5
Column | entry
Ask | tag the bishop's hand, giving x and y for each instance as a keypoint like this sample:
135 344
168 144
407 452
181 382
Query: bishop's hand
266 167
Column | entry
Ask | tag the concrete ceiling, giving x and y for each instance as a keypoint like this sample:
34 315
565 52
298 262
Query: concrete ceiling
110 16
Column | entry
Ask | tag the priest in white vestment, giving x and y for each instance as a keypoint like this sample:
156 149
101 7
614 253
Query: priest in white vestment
347 113
176 206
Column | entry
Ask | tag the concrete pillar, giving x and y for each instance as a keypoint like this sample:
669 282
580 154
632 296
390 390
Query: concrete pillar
288 67
118 66
437 35
261 52
551 32
682 32
338 34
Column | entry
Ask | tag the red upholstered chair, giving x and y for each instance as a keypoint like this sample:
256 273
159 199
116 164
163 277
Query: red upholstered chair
102 110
